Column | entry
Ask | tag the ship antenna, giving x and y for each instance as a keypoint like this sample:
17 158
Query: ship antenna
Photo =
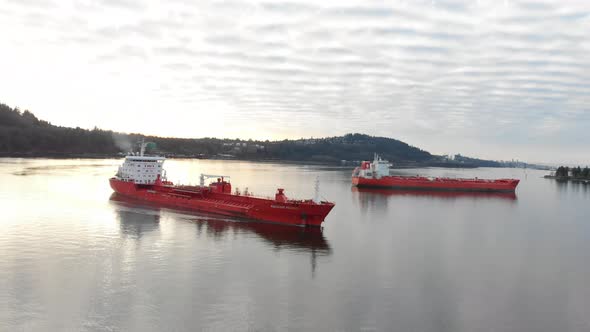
316 197
142 149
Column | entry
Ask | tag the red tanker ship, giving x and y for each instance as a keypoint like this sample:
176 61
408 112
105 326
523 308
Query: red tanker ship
143 177
376 174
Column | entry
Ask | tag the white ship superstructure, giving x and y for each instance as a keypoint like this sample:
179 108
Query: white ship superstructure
142 169
376 169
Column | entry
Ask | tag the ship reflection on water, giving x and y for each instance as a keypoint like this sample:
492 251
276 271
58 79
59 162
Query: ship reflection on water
442 194
378 197
135 219
278 236
138 217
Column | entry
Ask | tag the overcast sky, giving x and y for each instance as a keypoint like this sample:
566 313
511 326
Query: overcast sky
494 79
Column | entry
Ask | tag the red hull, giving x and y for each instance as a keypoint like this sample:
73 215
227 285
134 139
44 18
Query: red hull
290 212
416 182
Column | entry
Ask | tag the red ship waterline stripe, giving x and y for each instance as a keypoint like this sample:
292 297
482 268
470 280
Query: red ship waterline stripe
218 200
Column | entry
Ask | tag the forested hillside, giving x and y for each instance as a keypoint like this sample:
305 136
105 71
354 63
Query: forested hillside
23 134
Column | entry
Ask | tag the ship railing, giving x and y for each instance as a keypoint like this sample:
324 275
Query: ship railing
203 177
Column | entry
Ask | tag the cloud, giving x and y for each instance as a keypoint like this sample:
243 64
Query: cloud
480 77
37 4
126 4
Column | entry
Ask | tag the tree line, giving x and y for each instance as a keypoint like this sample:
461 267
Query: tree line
574 172
23 134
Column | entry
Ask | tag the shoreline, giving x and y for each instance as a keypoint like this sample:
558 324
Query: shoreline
567 179
347 164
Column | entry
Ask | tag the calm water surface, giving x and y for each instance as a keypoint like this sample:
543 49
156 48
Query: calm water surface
74 258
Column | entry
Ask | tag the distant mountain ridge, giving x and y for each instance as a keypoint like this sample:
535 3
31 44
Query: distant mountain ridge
22 134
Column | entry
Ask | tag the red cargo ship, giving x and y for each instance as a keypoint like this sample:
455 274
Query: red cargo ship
376 174
143 177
